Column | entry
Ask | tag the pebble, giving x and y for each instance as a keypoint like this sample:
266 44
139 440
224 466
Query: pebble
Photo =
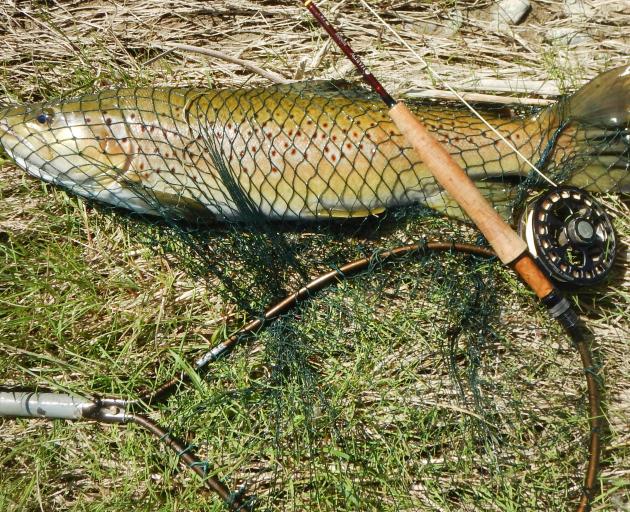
512 12
567 36
577 8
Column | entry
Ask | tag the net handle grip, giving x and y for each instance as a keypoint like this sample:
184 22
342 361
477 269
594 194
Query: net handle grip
510 248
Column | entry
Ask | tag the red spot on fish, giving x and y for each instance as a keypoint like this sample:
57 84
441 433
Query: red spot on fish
143 128
124 140
269 135
323 136
309 121
355 135
373 124
286 145
133 116
360 146
172 169
108 121
167 154
368 136
392 133
194 178
298 133
290 133
273 152
229 126
334 157
253 148
142 166
325 125
334 138
88 119
242 153
326 149
293 151
349 146
274 169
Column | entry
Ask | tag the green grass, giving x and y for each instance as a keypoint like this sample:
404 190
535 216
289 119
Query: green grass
429 384
356 400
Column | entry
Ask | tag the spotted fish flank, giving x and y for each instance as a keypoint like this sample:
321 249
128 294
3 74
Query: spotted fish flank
303 151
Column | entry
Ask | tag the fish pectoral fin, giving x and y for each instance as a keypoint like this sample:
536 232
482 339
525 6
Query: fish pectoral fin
339 213
500 195
180 207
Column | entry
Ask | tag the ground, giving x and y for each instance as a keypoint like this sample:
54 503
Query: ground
432 384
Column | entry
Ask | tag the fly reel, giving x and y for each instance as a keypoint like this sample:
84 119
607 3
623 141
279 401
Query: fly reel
570 235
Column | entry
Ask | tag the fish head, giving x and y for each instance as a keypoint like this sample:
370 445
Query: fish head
72 146
49 142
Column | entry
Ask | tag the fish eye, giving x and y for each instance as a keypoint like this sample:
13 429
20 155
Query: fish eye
43 118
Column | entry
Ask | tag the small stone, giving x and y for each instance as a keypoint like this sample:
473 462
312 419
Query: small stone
577 8
512 11
567 36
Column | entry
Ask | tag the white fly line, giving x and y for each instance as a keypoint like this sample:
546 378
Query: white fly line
443 81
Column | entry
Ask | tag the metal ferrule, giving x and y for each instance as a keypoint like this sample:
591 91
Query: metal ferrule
560 309
211 356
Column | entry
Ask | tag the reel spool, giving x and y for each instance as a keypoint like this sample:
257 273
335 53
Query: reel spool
570 235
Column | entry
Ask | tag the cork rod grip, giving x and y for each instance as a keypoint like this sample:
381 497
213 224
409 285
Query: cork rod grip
506 243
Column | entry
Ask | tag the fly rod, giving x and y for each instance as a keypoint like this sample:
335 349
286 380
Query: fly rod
509 247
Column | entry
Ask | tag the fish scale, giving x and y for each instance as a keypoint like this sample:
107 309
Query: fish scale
304 151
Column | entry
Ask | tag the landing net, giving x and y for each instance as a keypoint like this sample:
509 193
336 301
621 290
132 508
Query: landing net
410 387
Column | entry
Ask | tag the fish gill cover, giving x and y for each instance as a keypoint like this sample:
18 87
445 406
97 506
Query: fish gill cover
408 387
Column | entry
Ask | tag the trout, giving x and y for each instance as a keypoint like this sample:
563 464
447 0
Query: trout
308 150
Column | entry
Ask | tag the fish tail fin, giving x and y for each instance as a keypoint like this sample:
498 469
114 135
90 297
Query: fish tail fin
591 147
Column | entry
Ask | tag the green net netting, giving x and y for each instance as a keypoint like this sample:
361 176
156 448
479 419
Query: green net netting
408 387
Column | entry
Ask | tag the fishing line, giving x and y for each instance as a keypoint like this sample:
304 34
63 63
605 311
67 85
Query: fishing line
443 81
510 249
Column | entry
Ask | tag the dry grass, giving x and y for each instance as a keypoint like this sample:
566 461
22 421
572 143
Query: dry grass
86 306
